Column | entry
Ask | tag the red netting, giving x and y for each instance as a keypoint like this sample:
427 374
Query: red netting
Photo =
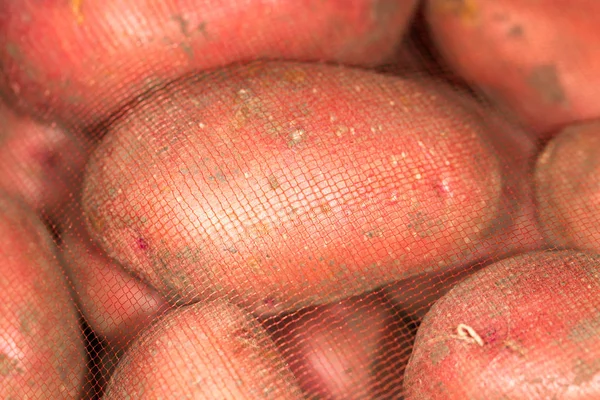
289 199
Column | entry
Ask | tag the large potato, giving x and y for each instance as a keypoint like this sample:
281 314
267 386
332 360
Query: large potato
39 164
353 349
567 182
204 351
537 58
41 347
108 51
524 328
285 185
115 304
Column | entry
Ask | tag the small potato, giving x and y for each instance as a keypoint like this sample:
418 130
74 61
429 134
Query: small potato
39 164
523 328
538 59
107 52
115 304
41 347
567 181
283 185
354 349
204 351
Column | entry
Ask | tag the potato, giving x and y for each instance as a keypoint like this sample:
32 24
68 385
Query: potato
106 52
536 58
115 304
568 187
523 328
203 351
38 163
286 185
354 349
41 347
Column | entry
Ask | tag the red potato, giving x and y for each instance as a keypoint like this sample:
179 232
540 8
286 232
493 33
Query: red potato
524 328
38 163
354 349
115 304
567 182
536 58
107 52
204 351
41 347
279 185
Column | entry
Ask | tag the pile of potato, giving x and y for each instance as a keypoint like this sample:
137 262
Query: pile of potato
289 199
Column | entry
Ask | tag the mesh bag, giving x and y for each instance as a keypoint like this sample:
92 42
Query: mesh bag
299 199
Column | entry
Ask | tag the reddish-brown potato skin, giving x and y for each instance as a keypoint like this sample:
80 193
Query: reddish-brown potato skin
39 164
41 347
567 181
537 316
106 52
536 58
279 184
203 351
115 304
353 349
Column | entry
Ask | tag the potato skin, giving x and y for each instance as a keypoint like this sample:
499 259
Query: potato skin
107 51
568 188
41 347
353 349
114 303
536 319
203 351
39 164
536 58
279 184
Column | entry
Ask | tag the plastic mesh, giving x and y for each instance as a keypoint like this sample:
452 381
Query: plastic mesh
299 199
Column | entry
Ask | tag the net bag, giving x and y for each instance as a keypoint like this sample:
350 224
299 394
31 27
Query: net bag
299 199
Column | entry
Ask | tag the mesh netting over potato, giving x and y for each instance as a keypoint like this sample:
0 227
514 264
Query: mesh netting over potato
300 199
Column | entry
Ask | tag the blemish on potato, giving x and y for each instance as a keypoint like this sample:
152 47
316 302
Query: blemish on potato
515 31
27 319
254 264
142 244
296 137
324 207
259 229
76 8
466 10
515 347
294 75
544 79
273 182
374 233
96 221
9 365
585 330
341 130
182 23
187 49
439 352
14 51
585 372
